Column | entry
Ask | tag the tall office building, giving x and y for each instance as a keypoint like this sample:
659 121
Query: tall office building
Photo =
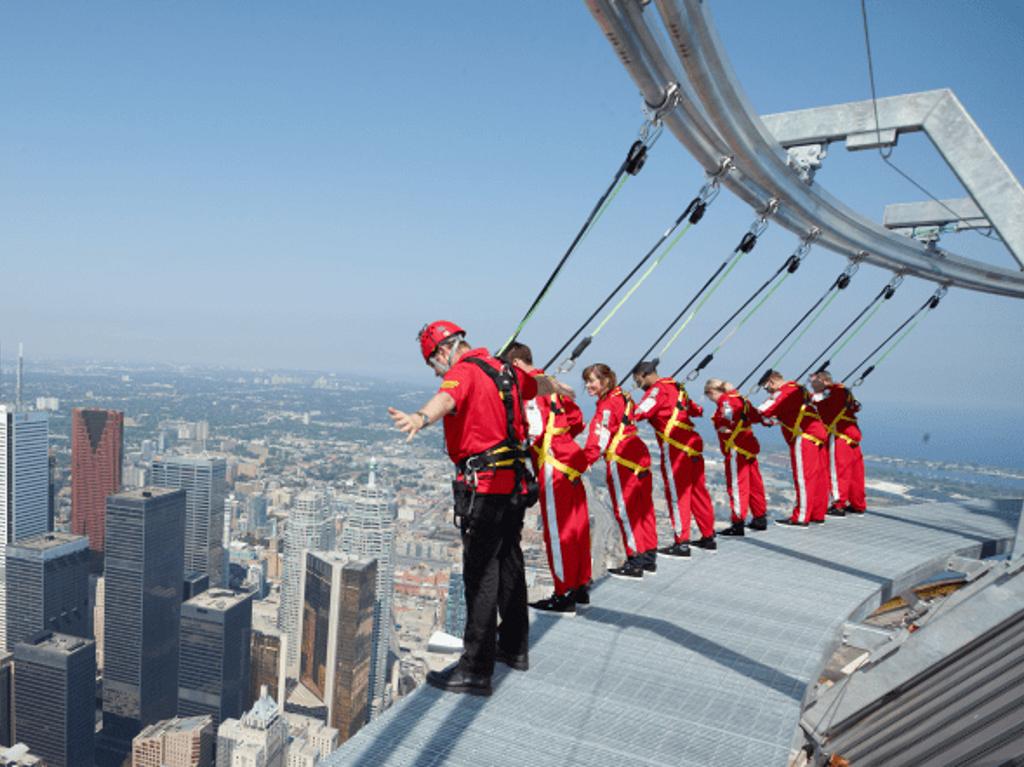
258 739
145 538
203 479
213 670
54 693
338 600
267 665
370 532
47 586
455 604
310 527
24 486
97 448
6 699
175 742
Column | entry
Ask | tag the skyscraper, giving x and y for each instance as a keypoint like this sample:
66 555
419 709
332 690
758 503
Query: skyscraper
455 604
310 527
203 480
145 538
267 667
258 739
175 743
54 690
48 586
97 447
337 636
24 486
6 699
370 532
213 670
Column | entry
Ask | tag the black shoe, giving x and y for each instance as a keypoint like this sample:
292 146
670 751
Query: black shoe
676 551
650 568
581 594
817 521
516 662
736 528
454 679
629 571
790 523
708 543
857 512
835 512
757 523
560 604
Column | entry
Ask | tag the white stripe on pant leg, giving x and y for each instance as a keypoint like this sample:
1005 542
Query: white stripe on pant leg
623 514
734 470
833 474
551 514
801 485
669 478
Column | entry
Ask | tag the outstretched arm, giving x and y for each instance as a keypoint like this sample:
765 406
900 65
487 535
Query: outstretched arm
437 407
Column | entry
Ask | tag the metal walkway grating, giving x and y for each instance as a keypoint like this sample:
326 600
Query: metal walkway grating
706 662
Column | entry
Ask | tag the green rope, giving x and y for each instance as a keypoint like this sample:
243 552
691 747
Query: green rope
703 300
824 306
604 207
640 281
856 330
896 342
757 306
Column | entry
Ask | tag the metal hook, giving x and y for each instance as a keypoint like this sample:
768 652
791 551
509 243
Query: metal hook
692 375
566 366
896 281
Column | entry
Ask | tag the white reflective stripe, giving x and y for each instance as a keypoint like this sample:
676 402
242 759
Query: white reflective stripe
649 401
623 516
734 471
669 478
768 402
551 517
727 412
832 472
801 485
819 396
603 435
534 420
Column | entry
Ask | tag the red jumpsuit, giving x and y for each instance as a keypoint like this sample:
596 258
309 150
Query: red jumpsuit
806 436
668 409
732 420
613 435
837 408
559 462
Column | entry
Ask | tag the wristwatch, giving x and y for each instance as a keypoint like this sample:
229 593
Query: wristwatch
425 417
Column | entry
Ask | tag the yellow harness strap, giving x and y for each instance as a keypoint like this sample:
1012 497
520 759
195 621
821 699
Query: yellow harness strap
544 454
739 428
610 454
796 431
674 423
833 428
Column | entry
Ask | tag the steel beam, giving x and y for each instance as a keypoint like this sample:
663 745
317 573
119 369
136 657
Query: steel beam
907 215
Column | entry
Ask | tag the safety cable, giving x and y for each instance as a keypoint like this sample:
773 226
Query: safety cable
746 244
694 212
887 292
914 318
791 264
632 165
826 298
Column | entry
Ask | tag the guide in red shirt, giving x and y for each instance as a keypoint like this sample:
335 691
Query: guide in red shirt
732 420
481 402
666 406
791 406
628 465
553 422
838 410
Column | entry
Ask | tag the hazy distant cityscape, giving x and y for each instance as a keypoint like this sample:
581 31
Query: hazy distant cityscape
279 565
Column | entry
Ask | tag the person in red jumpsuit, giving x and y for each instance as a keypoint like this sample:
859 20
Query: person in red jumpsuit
838 410
732 419
666 406
791 406
628 464
553 422
480 401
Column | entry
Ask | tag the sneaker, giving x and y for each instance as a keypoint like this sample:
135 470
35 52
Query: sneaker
516 662
836 512
650 568
582 594
560 604
708 543
454 679
791 523
676 551
757 523
736 528
629 571
857 512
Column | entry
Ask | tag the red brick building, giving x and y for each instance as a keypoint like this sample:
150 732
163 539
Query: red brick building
97 446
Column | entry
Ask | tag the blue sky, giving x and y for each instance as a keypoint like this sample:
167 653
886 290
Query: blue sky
305 185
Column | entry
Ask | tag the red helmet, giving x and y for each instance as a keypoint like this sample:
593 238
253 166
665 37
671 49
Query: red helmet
434 334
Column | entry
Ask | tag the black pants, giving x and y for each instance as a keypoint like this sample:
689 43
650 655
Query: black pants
492 570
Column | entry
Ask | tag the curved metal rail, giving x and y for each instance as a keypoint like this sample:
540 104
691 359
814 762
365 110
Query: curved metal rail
713 120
